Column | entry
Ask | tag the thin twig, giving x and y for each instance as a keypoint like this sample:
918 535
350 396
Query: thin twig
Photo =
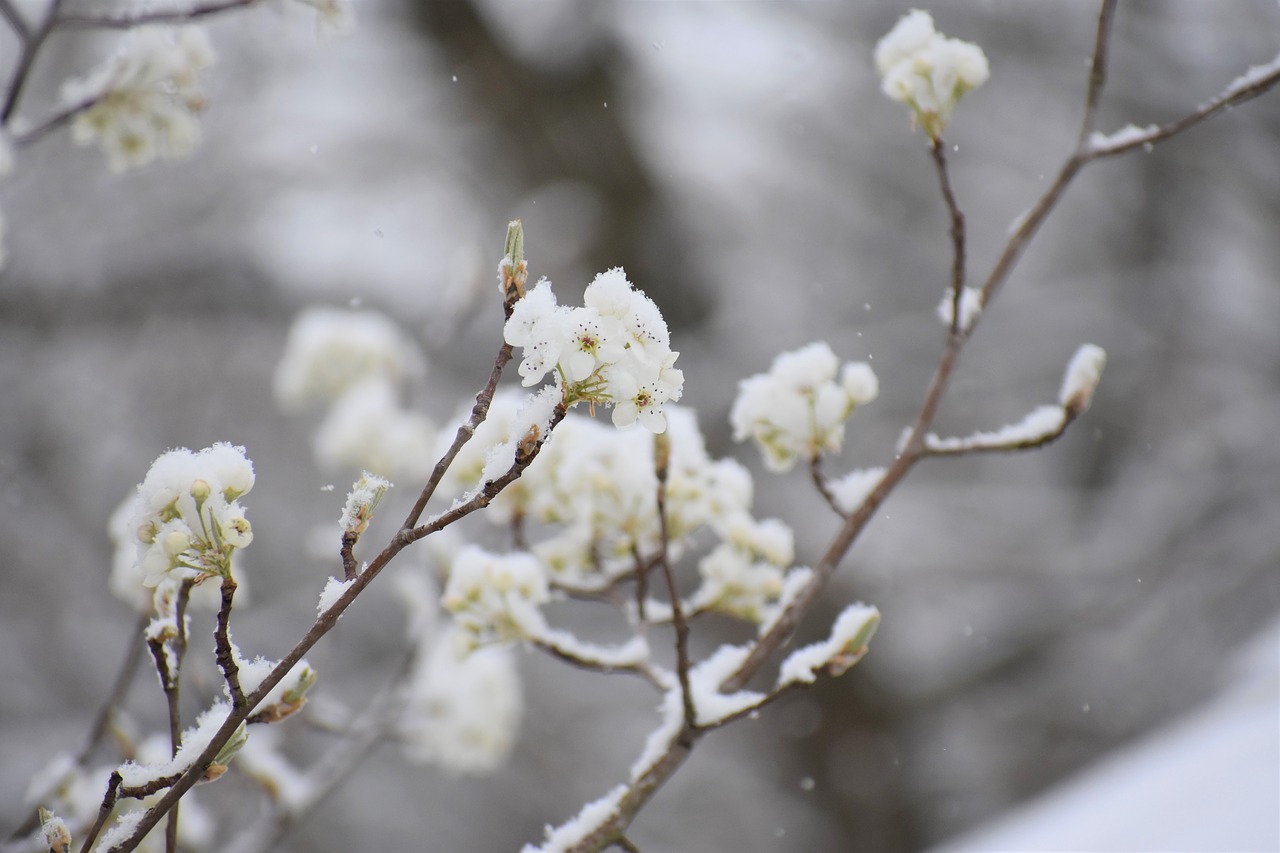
15 20
361 735
323 624
643 789
104 811
349 566
126 21
662 459
969 447
559 652
1097 70
1235 94
819 478
937 148
478 413
225 651
31 45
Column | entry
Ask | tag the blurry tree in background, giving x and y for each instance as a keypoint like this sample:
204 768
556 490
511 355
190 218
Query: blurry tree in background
740 162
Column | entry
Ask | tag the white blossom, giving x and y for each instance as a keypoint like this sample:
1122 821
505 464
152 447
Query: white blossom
362 500
329 350
615 349
187 521
368 428
928 71
462 710
798 410
143 101
495 597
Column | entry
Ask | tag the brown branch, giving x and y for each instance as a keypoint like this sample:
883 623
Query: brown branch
1228 98
559 652
15 20
478 413
662 460
1097 70
931 449
937 148
349 566
31 43
225 651
644 788
125 21
323 624
820 482
104 811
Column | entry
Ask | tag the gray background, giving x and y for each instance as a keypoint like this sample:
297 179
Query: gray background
739 161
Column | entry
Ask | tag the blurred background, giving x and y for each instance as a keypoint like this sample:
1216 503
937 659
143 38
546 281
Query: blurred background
1040 610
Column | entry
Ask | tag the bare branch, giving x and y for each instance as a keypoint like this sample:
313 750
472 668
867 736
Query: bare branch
821 483
1097 70
104 811
225 653
937 148
323 624
125 21
31 44
1257 81
478 413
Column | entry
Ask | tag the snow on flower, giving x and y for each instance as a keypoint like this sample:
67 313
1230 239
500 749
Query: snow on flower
362 500
744 573
462 711
495 597
187 520
927 71
142 102
127 575
798 410
615 349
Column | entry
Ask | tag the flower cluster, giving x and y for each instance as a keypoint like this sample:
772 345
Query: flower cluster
462 711
495 597
357 363
142 103
927 71
798 409
613 350
588 510
187 517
